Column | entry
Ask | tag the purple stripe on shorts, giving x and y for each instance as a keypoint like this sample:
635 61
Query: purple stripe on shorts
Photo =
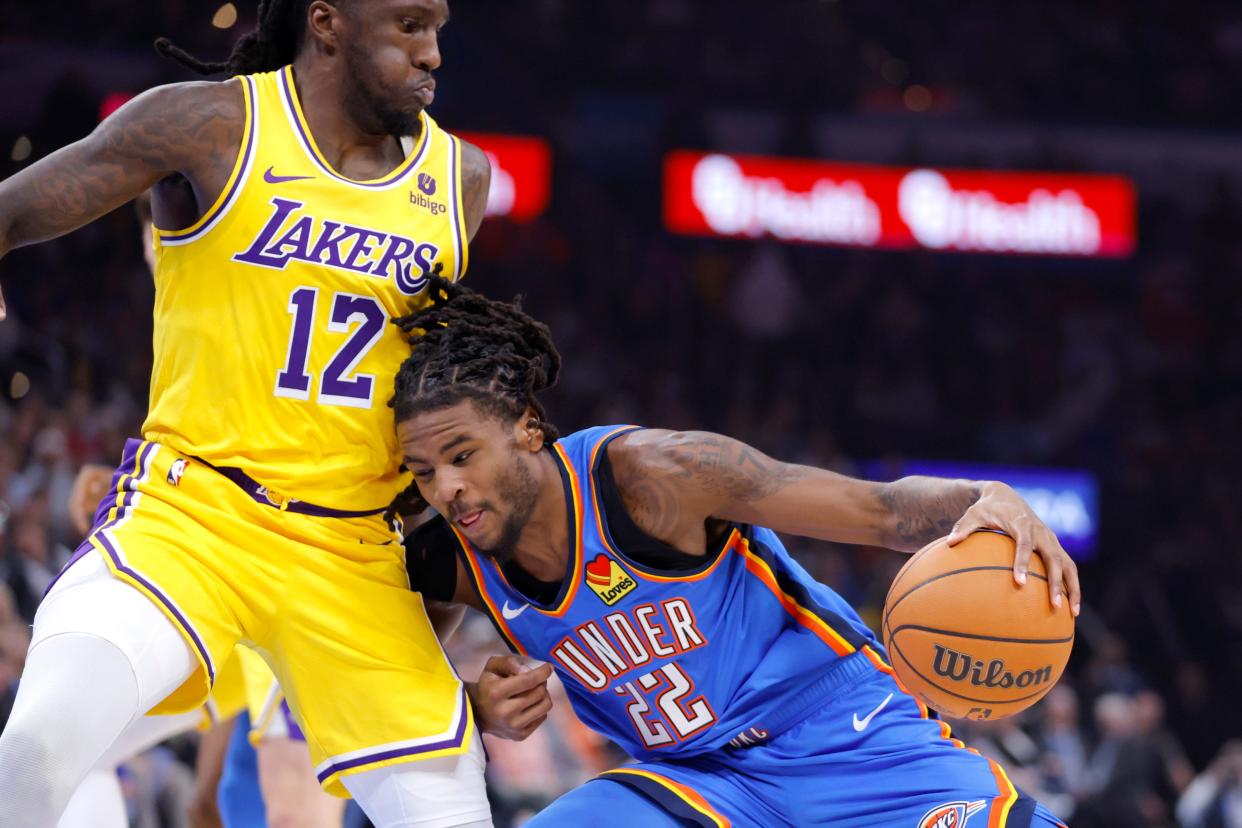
129 461
291 724
453 741
163 599
136 461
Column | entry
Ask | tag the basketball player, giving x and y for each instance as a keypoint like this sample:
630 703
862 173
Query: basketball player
644 564
284 776
291 224
98 802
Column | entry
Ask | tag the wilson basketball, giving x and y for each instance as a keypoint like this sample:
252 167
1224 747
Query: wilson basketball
965 639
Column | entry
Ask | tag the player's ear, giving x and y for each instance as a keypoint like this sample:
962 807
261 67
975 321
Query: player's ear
322 19
530 431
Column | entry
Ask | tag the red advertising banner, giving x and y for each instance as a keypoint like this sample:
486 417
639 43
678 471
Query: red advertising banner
898 208
521 174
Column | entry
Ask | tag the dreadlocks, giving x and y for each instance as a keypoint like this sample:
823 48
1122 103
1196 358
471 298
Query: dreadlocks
269 47
469 347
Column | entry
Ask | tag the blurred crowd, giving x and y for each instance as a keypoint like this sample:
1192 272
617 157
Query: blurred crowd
1131 370
1099 61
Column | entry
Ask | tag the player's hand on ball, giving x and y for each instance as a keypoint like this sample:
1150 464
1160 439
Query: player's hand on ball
89 487
1000 507
511 697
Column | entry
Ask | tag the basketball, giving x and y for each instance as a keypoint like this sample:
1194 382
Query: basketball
965 638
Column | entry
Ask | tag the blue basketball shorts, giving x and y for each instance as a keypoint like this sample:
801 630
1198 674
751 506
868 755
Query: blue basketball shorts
868 757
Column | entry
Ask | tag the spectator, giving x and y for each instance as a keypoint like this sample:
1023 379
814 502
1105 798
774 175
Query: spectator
1214 798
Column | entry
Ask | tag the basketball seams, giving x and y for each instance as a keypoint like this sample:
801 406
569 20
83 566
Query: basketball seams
944 603
950 573
997 638
909 564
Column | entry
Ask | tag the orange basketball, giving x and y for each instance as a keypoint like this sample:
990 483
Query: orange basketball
965 639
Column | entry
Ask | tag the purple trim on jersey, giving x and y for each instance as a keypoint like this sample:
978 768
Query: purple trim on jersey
286 88
458 220
119 563
237 182
453 741
258 493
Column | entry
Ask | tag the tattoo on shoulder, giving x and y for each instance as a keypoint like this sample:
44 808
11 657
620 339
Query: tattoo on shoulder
727 467
205 117
654 491
925 508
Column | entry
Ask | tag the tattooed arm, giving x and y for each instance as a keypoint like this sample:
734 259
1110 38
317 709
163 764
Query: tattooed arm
672 483
921 509
476 179
189 128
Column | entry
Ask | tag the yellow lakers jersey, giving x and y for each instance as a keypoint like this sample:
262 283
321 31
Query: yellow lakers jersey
274 351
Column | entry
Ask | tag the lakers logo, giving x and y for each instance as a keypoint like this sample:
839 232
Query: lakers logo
607 580
950 814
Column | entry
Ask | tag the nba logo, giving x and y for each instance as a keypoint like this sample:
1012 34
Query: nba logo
427 184
175 471
951 814
607 580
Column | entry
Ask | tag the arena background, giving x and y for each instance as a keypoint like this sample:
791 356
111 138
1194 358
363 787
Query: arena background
1101 372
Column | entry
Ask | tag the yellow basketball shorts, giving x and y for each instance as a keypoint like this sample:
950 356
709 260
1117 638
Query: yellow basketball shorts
265 700
228 694
324 600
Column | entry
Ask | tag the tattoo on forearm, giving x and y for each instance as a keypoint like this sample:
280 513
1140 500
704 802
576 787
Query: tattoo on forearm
925 508
122 159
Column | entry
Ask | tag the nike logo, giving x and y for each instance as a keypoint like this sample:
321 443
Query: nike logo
272 178
861 724
510 613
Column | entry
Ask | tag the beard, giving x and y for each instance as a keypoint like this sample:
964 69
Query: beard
374 100
520 490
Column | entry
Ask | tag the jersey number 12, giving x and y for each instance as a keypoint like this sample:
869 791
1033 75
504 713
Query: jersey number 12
338 384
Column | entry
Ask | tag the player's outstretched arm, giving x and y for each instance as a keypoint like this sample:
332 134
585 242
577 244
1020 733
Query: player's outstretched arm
673 481
189 128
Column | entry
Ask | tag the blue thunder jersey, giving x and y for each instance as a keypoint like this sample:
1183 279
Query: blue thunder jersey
731 652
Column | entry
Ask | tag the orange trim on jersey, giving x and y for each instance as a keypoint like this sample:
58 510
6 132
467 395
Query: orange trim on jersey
476 573
760 569
690 796
603 534
1004 800
575 542
879 664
